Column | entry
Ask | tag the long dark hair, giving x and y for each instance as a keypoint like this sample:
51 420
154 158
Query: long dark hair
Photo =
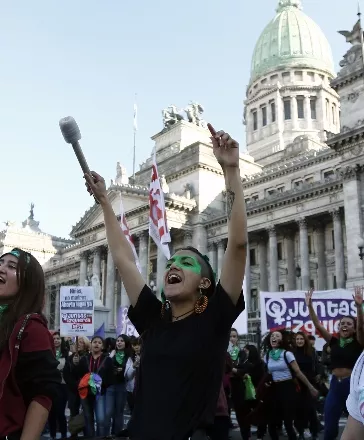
30 297
253 356
307 348
64 348
286 343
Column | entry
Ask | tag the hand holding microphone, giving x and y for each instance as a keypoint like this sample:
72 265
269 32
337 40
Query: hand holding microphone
72 135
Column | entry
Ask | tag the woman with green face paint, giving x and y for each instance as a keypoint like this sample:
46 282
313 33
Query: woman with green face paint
185 339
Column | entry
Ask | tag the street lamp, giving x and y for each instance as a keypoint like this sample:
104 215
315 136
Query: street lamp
361 247
298 271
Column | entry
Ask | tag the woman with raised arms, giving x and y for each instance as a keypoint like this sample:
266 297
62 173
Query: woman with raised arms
184 340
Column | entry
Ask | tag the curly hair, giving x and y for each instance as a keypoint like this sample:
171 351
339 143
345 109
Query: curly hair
286 343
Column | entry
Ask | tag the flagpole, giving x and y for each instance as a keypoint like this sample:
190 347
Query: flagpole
135 130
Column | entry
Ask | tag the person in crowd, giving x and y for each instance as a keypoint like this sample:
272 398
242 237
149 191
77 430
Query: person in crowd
345 351
116 392
185 338
95 371
354 428
57 416
284 369
221 427
29 376
306 406
312 340
109 345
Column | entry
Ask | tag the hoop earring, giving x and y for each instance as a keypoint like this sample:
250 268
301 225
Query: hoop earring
165 307
201 303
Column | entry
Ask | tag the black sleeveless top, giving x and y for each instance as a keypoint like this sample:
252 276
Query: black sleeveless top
345 357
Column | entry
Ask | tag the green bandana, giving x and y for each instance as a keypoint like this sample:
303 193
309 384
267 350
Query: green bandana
345 341
185 262
3 309
234 353
58 354
275 354
16 253
119 356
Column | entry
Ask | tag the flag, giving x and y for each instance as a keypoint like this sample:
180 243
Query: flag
158 228
101 331
135 117
125 229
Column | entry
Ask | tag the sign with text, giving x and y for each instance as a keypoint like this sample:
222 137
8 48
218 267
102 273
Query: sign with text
77 311
124 325
288 310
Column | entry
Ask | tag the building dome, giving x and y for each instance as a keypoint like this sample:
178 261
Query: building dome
291 39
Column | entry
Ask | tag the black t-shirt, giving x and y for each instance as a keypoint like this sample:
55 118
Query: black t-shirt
181 366
345 357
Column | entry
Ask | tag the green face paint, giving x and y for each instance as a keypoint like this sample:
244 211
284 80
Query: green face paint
186 262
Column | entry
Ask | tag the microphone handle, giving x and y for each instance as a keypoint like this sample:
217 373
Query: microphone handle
82 160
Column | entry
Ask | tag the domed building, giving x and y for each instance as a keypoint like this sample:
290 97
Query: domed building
289 95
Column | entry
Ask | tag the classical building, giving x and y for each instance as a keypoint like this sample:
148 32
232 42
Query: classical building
302 177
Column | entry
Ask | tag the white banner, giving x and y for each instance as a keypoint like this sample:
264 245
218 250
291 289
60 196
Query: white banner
77 311
241 324
280 310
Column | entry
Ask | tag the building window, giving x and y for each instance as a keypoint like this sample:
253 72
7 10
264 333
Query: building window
273 111
270 192
255 120
280 251
247 200
280 189
254 306
334 282
264 116
313 108
287 109
329 174
255 197
298 184
312 284
298 76
281 287
311 75
327 109
334 114
309 180
300 107
333 238
310 244
286 76
252 256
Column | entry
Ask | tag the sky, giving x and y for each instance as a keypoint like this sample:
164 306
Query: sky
88 58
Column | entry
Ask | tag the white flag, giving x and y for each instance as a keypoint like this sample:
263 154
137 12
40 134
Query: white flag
125 229
158 228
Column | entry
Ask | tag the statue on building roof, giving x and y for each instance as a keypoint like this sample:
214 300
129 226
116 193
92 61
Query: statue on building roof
171 115
121 175
353 37
164 184
194 111
31 212
285 3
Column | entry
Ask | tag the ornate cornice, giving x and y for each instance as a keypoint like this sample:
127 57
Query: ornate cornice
346 140
341 81
292 166
352 172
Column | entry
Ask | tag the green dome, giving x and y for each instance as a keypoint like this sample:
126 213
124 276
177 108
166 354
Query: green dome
291 39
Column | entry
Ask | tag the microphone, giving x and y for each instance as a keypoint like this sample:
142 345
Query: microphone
72 135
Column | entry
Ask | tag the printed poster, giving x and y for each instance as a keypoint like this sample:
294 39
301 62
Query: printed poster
77 311
280 310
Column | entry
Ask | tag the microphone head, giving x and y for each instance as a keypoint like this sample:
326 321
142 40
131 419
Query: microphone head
70 130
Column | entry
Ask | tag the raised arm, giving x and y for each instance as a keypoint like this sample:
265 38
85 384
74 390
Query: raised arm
119 246
319 327
226 151
358 298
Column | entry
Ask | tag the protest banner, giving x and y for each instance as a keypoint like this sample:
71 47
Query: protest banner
288 310
124 325
77 311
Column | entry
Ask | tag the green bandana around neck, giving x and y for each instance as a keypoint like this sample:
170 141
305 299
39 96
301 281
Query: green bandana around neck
345 341
234 353
58 354
186 262
119 357
275 353
3 309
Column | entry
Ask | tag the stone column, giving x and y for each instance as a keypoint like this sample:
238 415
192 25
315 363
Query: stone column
280 117
96 264
353 224
291 267
247 293
211 250
83 268
110 288
321 257
161 268
187 238
262 256
304 253
339 250
199 238
220 256
308 112
273 261
143 239
294 112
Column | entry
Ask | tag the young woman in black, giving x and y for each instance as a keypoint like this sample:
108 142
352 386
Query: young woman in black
345 351
184 340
